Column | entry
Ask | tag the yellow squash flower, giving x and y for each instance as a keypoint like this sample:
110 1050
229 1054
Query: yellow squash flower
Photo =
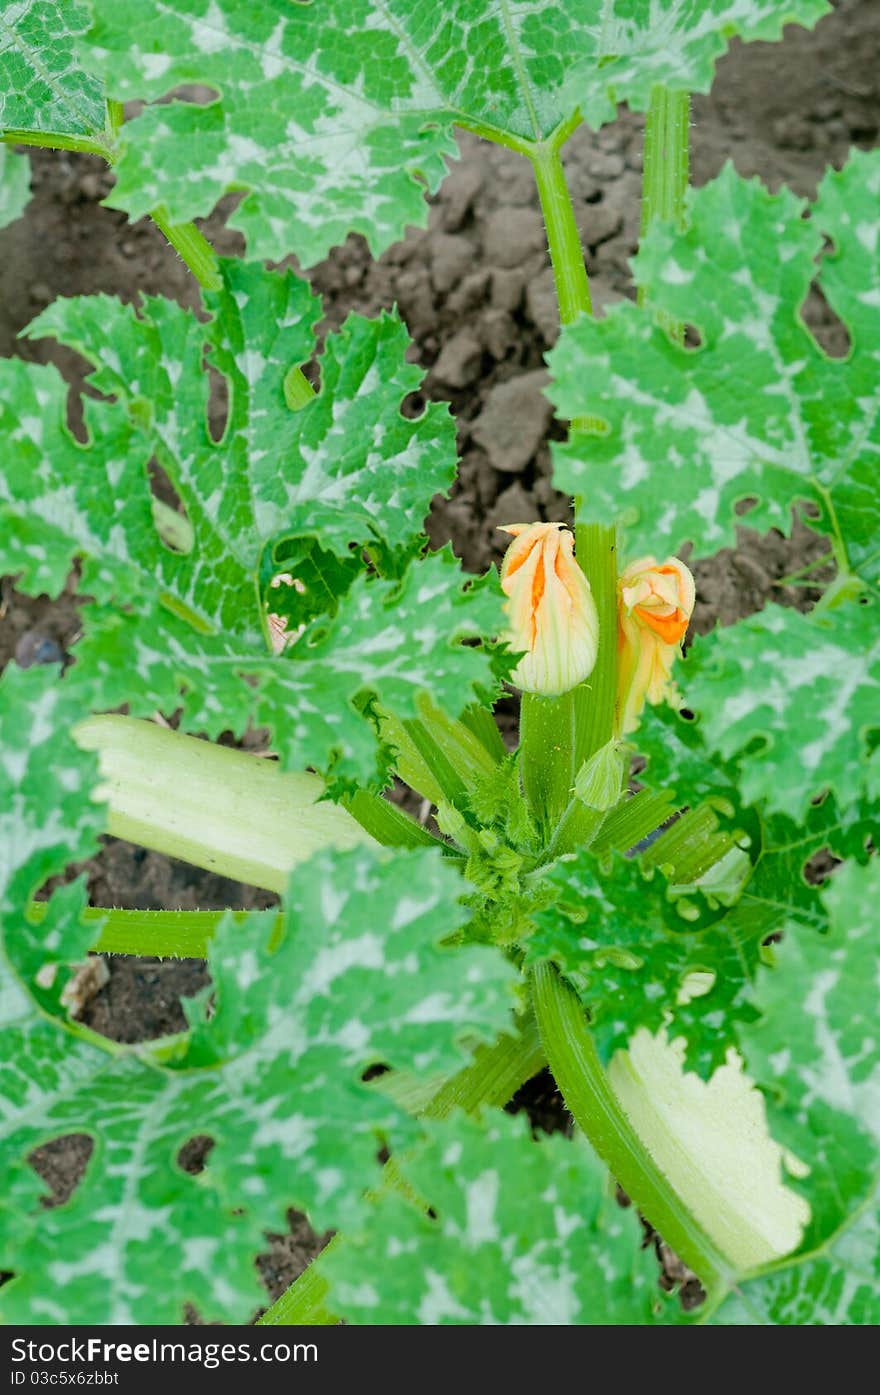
655 604
550 607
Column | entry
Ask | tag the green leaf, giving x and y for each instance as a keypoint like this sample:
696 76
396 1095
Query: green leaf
346 470
389 640
273 1078
616 936
337 117
758 410
790 701
816 1052
42 86
520 1232
15 185
46 816
778 896
836 1286
678 759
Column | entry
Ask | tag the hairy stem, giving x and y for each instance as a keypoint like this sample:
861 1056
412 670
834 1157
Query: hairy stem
192 247
50 140
547 742
665 171
165 934
563 238
596 549
115 117
578 1072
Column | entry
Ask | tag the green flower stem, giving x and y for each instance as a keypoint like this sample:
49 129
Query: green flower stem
665 171
221 809
596 549
568 1044
548 741
578 1072
492 1078
666 161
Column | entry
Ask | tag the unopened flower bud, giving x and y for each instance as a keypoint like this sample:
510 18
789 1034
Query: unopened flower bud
655 603
601 778
551 610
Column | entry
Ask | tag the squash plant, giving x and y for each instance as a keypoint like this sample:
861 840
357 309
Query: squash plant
707 1012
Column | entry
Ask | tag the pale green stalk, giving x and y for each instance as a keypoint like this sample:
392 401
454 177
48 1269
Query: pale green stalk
221 809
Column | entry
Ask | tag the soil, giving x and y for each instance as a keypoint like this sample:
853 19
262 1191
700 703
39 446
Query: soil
477 296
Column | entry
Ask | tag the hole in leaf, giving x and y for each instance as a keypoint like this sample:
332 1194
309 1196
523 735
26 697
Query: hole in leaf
696 984
289 1253
540 1099
413 406
193 1156
196 94
745 505
693 339
61 1164
825 325
316 636
296 394
169 515
373 1073
218 401
687 715
818 868
5 1276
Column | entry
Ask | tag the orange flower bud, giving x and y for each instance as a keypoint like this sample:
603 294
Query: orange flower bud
655 604
551 609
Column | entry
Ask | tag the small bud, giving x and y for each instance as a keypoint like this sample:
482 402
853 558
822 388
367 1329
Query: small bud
655 604
600 780
551 609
